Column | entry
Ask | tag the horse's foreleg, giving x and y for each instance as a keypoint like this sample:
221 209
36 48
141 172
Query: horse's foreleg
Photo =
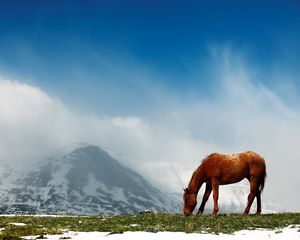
251 196
215 188
206 195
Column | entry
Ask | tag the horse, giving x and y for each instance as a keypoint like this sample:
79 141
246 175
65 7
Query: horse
219 169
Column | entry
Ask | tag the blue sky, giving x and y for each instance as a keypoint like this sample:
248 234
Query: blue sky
158 84
95 47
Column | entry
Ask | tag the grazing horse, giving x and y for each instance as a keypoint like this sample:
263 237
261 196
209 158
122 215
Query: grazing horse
219 169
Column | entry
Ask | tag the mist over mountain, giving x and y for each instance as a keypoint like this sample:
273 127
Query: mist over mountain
85 181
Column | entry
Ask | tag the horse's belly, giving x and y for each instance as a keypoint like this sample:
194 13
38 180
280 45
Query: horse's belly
234 179
229 177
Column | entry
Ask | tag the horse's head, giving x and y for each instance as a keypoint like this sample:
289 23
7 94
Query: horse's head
190 202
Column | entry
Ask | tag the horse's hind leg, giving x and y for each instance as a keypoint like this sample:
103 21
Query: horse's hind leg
252 194
206 195
258 198
258 195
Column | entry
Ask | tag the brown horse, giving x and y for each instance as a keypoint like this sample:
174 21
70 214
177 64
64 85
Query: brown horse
218 169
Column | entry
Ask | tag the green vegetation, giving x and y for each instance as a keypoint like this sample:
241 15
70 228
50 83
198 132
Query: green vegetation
35 225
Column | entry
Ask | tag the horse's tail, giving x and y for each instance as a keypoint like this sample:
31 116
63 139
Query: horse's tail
263 180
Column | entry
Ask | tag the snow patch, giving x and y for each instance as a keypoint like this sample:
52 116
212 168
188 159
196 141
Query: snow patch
18 224
291 233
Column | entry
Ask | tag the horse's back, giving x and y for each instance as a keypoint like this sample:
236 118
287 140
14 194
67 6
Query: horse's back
235 167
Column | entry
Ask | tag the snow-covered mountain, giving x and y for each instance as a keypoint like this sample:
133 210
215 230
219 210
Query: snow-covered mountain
85 181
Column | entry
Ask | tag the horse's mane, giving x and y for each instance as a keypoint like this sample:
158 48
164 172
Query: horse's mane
197 169
194 173
204 159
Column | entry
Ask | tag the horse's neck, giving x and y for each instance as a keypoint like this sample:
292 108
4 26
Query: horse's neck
196 181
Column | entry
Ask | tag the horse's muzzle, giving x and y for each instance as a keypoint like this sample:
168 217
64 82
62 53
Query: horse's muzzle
187 213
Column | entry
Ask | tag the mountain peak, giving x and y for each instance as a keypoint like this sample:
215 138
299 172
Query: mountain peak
85 181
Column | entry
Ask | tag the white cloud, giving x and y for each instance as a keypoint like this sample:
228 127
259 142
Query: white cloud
33 124
243 115
27 120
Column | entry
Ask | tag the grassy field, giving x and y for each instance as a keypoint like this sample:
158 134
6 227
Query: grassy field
34 225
